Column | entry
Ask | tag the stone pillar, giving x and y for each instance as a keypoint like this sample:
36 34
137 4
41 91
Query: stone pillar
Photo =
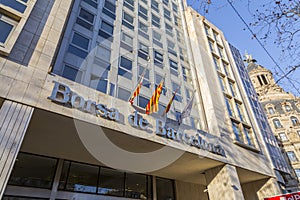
14 120
260 189
223 183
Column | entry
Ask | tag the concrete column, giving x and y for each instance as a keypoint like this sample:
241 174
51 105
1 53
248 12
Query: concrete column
261 189
223 183
14 120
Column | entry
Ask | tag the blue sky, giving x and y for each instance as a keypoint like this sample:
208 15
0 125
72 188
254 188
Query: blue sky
223 16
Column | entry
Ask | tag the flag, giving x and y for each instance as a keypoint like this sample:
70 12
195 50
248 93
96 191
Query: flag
137 89
170 102
152 105
187 110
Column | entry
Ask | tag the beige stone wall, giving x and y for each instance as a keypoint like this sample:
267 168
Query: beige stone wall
186 191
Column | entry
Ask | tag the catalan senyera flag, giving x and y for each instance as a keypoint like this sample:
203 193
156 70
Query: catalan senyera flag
152 105
137 90
170 103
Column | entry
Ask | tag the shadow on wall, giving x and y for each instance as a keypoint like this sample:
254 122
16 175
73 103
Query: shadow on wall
29 37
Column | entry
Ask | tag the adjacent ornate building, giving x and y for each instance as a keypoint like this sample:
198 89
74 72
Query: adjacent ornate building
283 112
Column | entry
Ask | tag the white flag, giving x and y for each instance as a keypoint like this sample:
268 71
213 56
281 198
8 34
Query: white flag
187 110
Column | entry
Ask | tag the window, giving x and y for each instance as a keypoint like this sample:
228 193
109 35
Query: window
111 182
287 108
125 68
173 67
154 5
226 69
72 73
171 48
14 4
248 136
158 59
82 178
157 39
240 111
222 83
211 45
229 106
221 52
207 30
169 30
176 21
167 14
178 96
129 4
216 36
123 94
237 132
33 171
146 72
127 20
109 9
175 7
137 186
291 155
92 3
106 30
99 83
143 51
186 74
297 171
155 21
79 45
127 39
232 88
295 121
277 123
166 2
217 63
85 19
165 189
142 101
271 110
6 27
161 108
143 30
283 137
143 12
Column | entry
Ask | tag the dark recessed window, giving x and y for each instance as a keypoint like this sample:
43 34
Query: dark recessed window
6 28
111 182
165 189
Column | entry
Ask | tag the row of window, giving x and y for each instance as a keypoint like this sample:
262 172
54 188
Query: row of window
271 108
37 171
294 120
283 136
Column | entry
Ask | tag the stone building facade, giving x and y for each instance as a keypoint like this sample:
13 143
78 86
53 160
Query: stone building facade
283 112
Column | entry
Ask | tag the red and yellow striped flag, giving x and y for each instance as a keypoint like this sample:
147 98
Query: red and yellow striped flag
170 102
152 105
137 90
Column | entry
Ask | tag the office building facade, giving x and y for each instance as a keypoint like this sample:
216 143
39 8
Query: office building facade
67 71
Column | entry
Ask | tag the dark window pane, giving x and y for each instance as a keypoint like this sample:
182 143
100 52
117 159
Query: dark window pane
165 189
5 28
64 175
136 186
92 3
126 63
82 178
111 182
14 4
123 94
78 52
33 171
80 41
142 101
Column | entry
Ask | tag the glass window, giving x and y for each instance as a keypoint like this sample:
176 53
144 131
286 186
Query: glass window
93 3
178 96
291 155
33 171
297 171
14 4
99 83
157 39
165 189
287 108
226 69
175 7
143 27
222 83
207 29
143 12
169 30
283 137
271 110
217 63
136 186
127 39
72 73
173 67
232 88
111 182
82 178
248 136
154 5
155 21
142 101
240 111
123 94
166 2
6 28
221 52
295 121
277 123
108 28
186 74
129 4
167 14
158 59
211 45
127 20
80 41
146 82
237 132
229 106
85 19
143 51
109 9
125 68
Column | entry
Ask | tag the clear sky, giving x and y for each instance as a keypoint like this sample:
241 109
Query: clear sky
223 16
